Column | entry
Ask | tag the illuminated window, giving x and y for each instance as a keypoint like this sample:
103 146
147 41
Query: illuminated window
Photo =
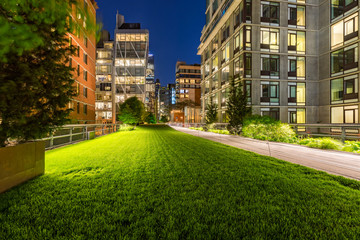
296 15
270 65
296 93
269 39
344 31
344 60
296 41
296 67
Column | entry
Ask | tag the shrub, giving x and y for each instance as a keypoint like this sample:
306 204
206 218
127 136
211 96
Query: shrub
220 131
352 146
322 143
266 128
124 128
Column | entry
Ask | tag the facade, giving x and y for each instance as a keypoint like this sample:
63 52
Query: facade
188 89
166 100
104 80
123 70
188 80
131 51
297 60
150 91
84 64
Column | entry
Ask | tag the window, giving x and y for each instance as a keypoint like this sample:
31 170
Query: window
86 41
78 51
270 12
296 15
296 93
78 108
344 60
244 38
271 112
215 83
270 65
270 39
237 44
85 75
78 70
344 90
270 93
243 13
225 75
347 114
247 90
344 31
225 32
215 63
297 116
70 62
296 67
226 53
245 65
296 41
85 109
237 68
339 7
85 92
215 44
85 58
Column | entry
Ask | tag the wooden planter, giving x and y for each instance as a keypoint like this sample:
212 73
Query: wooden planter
21 163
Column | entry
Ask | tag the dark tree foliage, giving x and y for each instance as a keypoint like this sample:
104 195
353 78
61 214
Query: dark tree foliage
237 106
132 111
36 82
150 118
164 119
211 113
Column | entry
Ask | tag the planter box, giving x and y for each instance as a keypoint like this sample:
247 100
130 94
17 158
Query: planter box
21 163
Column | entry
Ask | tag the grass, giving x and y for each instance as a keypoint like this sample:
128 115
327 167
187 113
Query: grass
156 183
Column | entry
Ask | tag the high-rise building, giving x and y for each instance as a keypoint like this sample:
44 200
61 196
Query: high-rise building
104 79
84 63
131 46
297 60
188 79
188 89
122 69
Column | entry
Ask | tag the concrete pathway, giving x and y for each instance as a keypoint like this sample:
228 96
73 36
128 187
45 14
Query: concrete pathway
333 162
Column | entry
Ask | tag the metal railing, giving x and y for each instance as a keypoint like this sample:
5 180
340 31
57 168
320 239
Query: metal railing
341 131
69 134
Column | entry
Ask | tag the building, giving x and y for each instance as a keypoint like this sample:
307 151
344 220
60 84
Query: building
188 90
297 60
131 48
166 100
122 69
84 63
104 80
150 88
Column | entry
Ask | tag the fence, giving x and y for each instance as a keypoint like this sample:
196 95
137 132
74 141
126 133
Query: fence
340 131
76 133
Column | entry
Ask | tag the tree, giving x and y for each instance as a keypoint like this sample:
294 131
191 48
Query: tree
36 80
132 111
211 112
237 106
150 118
164 119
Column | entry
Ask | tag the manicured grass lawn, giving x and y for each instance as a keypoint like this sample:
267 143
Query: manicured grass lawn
156 183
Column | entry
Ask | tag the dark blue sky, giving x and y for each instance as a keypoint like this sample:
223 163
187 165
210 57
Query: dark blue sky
174 26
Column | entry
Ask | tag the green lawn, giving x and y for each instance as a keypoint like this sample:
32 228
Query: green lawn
156 183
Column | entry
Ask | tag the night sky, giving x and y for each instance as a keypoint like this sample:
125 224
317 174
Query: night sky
174 26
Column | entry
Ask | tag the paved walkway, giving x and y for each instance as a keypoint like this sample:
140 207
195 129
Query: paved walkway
333 162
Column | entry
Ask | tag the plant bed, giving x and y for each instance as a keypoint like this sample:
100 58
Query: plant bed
21 163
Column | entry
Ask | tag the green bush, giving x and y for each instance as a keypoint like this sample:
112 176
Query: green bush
352 146
322 143
266 128
124 128
219 131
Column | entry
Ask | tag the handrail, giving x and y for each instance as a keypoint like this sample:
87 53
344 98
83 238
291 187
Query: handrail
69 137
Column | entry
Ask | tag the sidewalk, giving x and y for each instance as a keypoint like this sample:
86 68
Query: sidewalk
333 162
